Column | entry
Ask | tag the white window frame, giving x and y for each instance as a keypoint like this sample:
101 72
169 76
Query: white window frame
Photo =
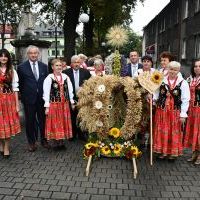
183 53
197 46
185 13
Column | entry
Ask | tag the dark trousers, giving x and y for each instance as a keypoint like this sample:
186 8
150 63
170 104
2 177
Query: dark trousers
35 122
77 132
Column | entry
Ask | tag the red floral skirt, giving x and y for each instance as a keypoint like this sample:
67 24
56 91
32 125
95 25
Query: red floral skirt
167 138
58 122
9 117
192 137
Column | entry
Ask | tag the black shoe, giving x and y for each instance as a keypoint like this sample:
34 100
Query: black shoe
1 152
45 145
6 156
62 147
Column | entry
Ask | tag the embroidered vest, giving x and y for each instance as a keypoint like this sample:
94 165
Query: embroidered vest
175 93
55 93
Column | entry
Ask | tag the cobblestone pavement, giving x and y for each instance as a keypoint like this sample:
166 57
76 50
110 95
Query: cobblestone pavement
46 174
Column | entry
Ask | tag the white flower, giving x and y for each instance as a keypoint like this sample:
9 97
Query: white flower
101 88
112 147
98 104
110 107
99 123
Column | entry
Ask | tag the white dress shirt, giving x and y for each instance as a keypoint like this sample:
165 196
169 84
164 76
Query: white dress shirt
76 80
36 66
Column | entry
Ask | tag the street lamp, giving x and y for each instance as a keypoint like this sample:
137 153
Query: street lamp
56 3
84 18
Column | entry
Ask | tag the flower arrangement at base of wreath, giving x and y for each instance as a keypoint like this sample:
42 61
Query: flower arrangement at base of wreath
112 146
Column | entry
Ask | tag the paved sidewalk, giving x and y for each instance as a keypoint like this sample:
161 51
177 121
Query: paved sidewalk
46 174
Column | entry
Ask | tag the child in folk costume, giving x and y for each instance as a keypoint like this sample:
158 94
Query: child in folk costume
192 137
9 105
58 94
172 102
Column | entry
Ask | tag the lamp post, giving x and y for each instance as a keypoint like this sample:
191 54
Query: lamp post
56 3
84 18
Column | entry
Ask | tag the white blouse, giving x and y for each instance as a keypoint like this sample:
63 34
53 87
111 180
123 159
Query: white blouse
47 88
185 94
15 81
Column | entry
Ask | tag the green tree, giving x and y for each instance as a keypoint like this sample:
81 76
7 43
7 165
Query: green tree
9 14
135 43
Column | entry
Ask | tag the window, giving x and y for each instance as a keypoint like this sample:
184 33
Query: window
197 46
62 52
176 16
183 55
162 25
53 52
197 6
185 11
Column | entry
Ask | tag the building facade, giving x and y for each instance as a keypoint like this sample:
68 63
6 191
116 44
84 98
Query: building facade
9 36
176 29
49 33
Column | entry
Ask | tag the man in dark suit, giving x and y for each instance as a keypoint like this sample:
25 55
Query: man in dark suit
131 68
77 76
31 77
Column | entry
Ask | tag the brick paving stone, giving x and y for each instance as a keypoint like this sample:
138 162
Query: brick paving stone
9 198
60 195
45 194
30 193
100 197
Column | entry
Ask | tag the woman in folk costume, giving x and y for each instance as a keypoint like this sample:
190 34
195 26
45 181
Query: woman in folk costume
57 96
9 105
165 58
172 102
192 137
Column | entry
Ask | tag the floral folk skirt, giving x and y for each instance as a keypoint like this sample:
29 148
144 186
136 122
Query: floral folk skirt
9 117
192 137
167 136
58 122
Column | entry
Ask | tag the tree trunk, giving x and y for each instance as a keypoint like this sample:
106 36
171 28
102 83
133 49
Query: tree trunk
3 30
70 23
89 44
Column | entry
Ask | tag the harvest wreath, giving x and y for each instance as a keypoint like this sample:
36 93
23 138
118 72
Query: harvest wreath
110 109
110 101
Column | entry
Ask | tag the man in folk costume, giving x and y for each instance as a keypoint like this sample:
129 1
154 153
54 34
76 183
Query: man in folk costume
172 102
77 76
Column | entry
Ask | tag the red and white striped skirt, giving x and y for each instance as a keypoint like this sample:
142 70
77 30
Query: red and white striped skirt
58 122
9 117
167 138
192 137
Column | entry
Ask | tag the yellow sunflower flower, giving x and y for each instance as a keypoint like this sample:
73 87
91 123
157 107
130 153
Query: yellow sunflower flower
105 150
117 149
115 132
91 144
157 77
135 150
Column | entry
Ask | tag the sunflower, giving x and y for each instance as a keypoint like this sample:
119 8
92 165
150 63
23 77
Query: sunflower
91 144
88 152
135 150
105 150
117 36
115 132
117 149
157 77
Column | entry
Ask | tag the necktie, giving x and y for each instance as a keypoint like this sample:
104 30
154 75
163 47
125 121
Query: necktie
35 71
76 79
